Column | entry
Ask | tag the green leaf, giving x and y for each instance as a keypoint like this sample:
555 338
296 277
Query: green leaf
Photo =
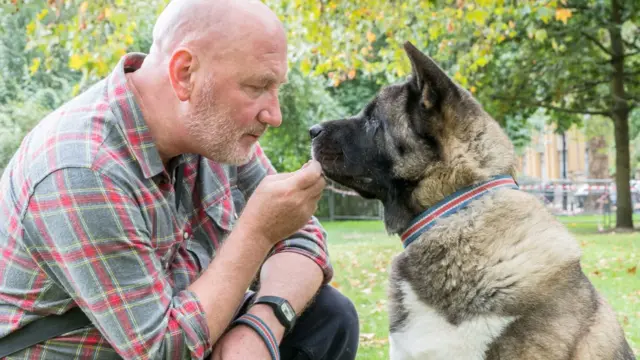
540 35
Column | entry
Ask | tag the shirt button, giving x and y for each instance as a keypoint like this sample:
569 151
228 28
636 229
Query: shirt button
186 235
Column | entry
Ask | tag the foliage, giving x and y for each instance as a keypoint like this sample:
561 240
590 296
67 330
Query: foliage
355 93
27 91
95 34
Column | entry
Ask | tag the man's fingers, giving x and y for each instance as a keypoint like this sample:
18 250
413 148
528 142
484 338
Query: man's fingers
307 176
317 188
281 176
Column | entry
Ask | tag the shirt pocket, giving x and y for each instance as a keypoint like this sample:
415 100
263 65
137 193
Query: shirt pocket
224 212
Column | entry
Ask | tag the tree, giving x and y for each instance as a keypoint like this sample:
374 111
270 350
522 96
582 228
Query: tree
586 66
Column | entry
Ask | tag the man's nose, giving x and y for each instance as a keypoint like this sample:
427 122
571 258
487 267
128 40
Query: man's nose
315 130
272 115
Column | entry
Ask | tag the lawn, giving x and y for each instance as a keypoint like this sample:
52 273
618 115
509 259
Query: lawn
361 252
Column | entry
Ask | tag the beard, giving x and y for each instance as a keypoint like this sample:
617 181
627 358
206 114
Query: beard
214 132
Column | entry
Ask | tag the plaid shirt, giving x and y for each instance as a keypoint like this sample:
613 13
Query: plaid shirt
89 219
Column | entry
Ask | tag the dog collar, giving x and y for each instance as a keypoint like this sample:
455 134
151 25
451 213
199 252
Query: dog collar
451 204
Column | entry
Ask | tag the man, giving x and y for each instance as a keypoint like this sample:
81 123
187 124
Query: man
119 204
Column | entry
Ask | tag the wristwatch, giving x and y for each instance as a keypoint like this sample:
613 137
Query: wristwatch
282 309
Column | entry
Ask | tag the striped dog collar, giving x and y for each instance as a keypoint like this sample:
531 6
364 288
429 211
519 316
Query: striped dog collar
451 204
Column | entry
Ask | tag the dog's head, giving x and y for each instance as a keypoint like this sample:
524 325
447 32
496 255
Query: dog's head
414 143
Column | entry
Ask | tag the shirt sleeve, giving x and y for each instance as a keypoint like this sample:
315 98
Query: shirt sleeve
310 241
90 236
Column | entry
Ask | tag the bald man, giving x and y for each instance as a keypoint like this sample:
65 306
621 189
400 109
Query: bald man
142 210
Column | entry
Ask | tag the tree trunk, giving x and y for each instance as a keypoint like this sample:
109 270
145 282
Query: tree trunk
620 115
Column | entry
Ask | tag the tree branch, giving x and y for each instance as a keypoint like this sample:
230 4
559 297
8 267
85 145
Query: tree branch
556 108
598 43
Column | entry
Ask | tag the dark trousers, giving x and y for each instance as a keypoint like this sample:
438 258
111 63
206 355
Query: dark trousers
327 330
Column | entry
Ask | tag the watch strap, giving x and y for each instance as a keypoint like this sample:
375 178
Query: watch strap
263 330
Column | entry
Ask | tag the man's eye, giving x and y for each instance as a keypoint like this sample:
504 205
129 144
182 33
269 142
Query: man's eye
258 88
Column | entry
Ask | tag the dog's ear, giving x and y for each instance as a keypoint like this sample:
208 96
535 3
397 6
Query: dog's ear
430 80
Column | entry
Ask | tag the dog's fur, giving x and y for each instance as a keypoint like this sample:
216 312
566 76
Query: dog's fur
500 279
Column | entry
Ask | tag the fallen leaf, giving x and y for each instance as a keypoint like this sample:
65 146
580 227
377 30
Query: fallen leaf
367 336
632 270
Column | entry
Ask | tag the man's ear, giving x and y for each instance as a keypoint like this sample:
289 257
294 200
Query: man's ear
181 68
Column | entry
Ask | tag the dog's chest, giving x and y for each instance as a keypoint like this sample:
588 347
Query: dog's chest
427 335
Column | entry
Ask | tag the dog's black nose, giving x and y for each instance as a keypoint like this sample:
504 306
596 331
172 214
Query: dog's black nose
315 131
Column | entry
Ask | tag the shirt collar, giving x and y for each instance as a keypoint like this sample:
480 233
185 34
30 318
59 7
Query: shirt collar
127 111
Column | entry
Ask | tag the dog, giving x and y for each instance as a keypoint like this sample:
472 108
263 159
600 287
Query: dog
487 272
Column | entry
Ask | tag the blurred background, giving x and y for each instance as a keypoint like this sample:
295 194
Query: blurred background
562 77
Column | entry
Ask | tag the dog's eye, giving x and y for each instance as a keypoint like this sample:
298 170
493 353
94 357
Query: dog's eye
401 149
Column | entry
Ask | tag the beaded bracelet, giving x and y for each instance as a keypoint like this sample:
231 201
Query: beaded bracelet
263 330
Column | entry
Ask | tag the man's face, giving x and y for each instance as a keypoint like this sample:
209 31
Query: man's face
236 101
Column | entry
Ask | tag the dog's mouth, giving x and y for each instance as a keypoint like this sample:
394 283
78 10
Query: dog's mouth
336 167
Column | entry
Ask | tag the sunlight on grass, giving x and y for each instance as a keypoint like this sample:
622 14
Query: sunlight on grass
362 251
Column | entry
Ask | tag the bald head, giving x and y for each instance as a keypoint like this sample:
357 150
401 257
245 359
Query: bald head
214 27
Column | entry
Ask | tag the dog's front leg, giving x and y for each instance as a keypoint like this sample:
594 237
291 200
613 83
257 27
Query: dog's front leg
396 352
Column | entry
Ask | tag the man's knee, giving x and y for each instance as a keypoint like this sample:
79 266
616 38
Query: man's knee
332 304
340 312
327 329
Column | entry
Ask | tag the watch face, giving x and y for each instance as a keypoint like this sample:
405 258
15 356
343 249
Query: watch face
287 311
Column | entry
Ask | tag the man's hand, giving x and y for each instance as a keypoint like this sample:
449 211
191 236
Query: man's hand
280 206
283 203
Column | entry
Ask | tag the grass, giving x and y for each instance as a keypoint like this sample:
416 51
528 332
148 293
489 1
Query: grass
361 253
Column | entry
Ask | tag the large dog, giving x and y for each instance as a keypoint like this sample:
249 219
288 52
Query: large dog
487 272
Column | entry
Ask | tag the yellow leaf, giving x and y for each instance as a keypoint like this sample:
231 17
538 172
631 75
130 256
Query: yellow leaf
473 89
42 14
31 28
371 36
305 66
563 15
35 65
128 40
512 24
76 90
103 69
107 12
84 6
76 62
